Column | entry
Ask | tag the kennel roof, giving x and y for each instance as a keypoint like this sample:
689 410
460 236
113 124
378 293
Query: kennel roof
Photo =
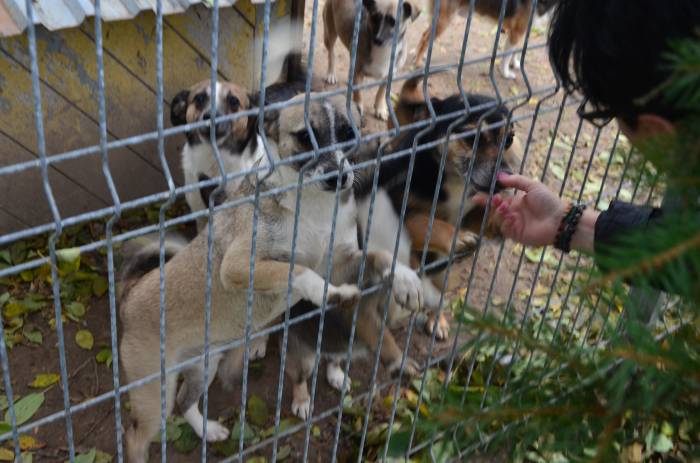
62 14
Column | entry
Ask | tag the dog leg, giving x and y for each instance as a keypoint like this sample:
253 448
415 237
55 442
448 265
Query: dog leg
145 413
357 95
188 400
381 111
441 236
301 401
271 276
336 376
447 11
329 38
368 325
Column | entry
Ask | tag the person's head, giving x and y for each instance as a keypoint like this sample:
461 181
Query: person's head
613 52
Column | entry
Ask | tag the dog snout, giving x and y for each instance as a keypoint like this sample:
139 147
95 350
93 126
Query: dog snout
222 128
341 166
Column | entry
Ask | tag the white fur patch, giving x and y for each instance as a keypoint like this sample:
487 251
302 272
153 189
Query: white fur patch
336 376
215 430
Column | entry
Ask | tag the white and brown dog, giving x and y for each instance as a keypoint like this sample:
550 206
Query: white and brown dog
378 23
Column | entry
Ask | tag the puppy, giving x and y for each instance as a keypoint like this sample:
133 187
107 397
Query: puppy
375 39
515 21
287 136
447 222
198 155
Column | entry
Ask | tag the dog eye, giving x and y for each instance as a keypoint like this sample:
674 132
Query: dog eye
509 139
233 102
200 100
389 20
303 137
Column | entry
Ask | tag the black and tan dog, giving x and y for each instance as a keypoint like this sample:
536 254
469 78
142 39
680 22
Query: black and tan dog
515 21
375 41
426 183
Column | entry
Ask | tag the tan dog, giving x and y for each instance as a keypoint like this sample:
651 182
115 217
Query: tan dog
185 278
515 21
375 41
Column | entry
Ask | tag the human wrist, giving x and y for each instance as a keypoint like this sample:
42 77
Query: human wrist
583 238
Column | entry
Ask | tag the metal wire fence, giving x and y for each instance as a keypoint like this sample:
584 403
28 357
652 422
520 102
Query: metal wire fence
536 107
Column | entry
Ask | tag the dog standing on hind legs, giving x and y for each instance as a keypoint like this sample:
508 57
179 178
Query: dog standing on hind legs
515 22
287 136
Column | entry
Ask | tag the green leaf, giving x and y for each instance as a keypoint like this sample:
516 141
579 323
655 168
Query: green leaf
187 441
104 356
88 457
26 407
14 309
316 431
34 337
4 297
257 410
100 286
27 457
75 311
662 444
3 402
34 302
5 427
398 444
68 255
84 339
558 171
43 380
257 460
5 255
173 431
285 424
248 432
284 452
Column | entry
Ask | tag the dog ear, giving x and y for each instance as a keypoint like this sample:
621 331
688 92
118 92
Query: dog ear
369 4
178 108
410 11
271 123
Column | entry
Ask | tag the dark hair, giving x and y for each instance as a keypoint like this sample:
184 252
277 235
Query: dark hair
612 51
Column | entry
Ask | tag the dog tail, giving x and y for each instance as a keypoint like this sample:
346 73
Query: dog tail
141 255
410 106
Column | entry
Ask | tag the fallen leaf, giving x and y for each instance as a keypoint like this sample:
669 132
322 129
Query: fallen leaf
34 337
84 339
284 452
316 431
6 454
187 441
257 410
26 407
100 286
44 380
75 311
88 457
104 356
30 443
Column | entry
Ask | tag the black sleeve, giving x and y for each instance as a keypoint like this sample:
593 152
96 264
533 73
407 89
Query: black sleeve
618 220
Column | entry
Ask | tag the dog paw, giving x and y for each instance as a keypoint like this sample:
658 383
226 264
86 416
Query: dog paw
508 73
407 288
442 330
381 112
330 79
336 377
410 368
466 242
344 295
215 431
301 407
258 348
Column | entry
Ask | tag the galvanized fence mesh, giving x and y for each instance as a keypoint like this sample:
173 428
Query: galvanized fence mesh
538 111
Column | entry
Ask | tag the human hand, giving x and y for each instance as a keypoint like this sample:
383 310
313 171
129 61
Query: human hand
531 216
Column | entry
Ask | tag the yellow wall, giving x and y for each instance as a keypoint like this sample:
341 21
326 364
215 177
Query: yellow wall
70 102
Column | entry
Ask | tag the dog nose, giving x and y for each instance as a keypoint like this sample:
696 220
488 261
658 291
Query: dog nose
221 127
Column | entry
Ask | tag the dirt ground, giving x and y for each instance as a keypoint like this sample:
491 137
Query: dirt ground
95 427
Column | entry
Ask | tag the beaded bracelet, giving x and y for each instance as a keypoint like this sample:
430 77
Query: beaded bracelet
567 227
